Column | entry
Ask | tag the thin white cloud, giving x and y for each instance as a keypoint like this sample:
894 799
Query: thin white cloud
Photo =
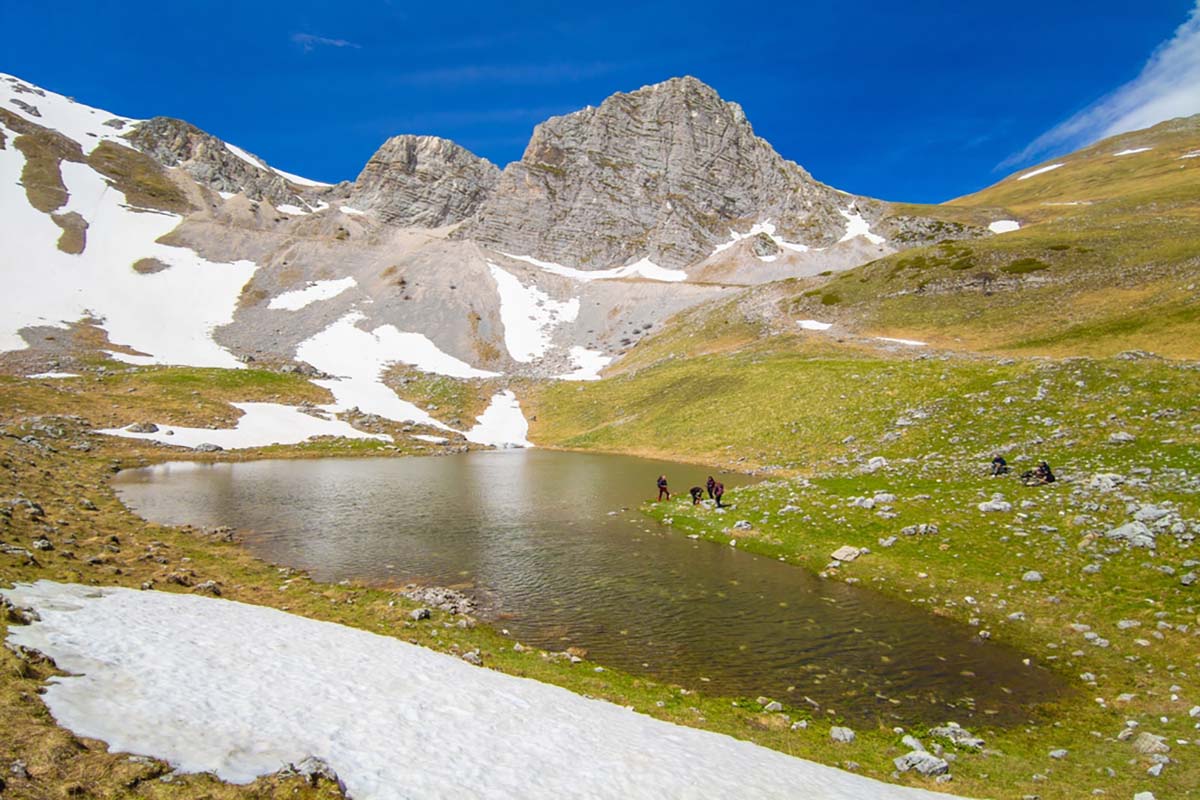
1167 87
308 41
515 74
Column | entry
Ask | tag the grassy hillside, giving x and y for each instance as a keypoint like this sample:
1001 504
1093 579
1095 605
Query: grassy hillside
815 420
1107 259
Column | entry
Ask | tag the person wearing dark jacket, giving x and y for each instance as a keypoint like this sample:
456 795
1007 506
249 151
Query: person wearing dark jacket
710 484
662 487
718 493
999 466
696 493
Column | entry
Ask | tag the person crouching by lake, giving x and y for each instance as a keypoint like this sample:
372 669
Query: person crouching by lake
662 488
696 493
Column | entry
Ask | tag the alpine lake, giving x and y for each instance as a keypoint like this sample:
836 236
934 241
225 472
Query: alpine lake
554 549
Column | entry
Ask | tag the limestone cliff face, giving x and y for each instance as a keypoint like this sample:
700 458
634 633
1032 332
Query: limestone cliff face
423 181
175 143
662 172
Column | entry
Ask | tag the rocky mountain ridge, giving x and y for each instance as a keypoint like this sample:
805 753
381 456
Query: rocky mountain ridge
665 172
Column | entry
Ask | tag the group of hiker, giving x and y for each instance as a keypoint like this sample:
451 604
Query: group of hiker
1041 474
716 490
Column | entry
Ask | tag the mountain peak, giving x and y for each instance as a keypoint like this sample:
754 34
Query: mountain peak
663 172
425 181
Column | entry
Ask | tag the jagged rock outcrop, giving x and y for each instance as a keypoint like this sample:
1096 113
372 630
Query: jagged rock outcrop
663 172
175 143
423 181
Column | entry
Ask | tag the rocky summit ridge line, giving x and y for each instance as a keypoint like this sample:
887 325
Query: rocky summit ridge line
663 172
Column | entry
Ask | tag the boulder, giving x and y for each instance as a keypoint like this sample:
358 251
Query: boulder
846 553
924 763
840 734
1135 534
996 504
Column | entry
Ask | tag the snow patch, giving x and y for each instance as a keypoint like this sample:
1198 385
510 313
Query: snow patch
502 424
51 375
588 364
768 228
1133 151
261 424
255 161
529 315
906 342
645 268
168 315
431 439
213 685
298 180
1040 171
252 160
287 208
80 123
857 226
813 325
1004 226
315 291
354 212
1193 154
359 357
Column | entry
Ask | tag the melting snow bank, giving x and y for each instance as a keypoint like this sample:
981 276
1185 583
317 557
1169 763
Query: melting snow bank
255 161
529 315
588 364
261 424
813 325
42 375
906 342
275 688
767 228
315 291
1133 150
857 226
83 124
1004 226
169 314
359 357
639 269
502 424
1029 175
1193 154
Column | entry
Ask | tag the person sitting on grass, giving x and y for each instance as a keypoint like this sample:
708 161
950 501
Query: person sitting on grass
662 488
999 466
1038 476
696 493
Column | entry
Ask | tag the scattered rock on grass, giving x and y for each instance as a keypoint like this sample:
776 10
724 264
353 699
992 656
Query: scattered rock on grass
840 734
924 763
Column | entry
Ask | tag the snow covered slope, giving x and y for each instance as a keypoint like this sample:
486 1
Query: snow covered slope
393 719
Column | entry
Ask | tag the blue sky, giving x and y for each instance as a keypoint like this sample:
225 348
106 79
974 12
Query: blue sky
917 101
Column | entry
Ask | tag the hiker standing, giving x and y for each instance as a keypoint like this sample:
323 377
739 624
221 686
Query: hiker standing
710 485
718 493
662 488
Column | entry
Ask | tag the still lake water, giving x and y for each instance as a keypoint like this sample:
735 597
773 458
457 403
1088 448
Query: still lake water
531 534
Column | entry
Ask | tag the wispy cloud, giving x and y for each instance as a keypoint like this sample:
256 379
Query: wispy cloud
515 74
433 121
1167 87
308 41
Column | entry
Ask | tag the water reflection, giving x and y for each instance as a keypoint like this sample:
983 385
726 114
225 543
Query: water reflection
534 533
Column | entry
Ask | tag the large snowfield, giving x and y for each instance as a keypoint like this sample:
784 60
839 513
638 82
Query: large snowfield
241 690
